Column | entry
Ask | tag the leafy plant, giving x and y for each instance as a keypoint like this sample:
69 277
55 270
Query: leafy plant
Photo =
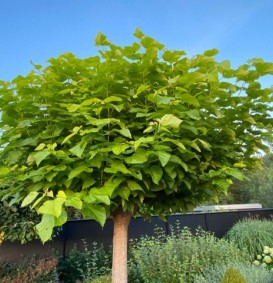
251 235
232 275
135 126
252 274
181 257
17 223
85 265
34 270
102 279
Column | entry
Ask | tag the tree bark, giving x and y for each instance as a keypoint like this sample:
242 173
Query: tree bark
120 246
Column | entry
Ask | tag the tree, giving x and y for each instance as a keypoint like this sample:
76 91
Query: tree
256 189
135 129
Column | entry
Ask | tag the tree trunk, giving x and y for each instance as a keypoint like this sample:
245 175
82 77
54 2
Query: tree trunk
120 246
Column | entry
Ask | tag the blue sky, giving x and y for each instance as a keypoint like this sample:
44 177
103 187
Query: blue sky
39 29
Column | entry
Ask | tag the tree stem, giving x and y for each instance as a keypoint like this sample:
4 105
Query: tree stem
120 246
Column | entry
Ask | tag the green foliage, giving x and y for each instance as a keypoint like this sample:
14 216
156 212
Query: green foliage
252 274
17 223
251 235
135 125
180 257
102 279
34 270
232 275
2 237
256 188
85 265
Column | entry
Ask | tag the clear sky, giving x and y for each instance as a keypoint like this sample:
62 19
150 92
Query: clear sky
39 29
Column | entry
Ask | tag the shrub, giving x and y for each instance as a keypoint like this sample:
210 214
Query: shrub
252 235
102 279
85 265
33 270
181 256
232 275
265 258
17 223
251 273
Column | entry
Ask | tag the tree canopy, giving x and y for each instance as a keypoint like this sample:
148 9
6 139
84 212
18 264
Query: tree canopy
134 128
133 125
138 128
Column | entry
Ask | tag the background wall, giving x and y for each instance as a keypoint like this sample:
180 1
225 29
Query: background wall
75 231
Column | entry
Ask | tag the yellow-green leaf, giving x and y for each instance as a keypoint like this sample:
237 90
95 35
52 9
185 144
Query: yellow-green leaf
40 146
38 157
78 170
78 149
45 227
74 202
61 219
52 207
134 186
170 120
29 198
119 148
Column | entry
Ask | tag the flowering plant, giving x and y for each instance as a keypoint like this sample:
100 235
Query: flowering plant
265 259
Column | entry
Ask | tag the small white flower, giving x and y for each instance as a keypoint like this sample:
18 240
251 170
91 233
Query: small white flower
256 262
266 251
267 259
259 257
264 264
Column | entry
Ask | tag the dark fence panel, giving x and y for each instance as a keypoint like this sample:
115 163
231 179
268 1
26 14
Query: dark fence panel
259 214
140 227
219 223
15 251
75 231
89 231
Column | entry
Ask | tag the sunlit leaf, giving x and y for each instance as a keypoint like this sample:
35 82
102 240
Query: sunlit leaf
45 227
119 148
74 202
170 120
193 114
29 198
78 149
38 157
134 186
136 158
52 207
78 170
